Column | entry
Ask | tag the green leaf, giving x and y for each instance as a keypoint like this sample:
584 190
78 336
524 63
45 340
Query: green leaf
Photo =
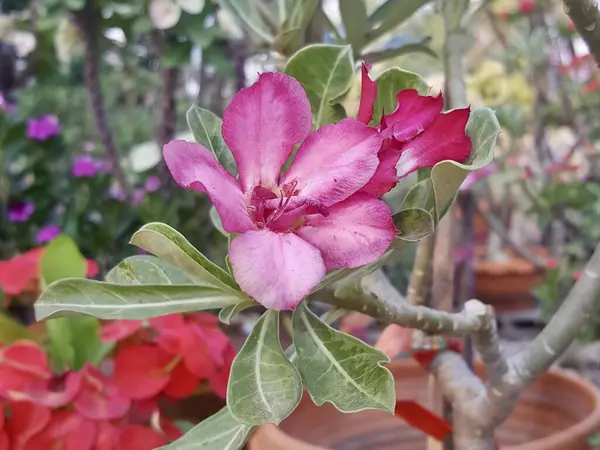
62 259
216 221
219 432
115 301
413 47
340 369
447 176
227 313
264 386
250 15
325 71
391 14
11 330
147 269
354 18
414 224
206 128
389 83
171 246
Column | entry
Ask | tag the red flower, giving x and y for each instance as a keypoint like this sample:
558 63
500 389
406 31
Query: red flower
66 430
591 86
570 25
137 437
26 420
22 273
527 6
21 363
415 135
98 398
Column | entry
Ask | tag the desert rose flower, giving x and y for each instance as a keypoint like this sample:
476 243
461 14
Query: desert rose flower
294 227
416 134
43 128
20 211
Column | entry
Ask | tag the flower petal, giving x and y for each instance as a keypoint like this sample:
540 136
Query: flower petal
385 177
26 420
183 383
414 114
117 330
262 124
141 438
286 211
277 269
66 430
444 139
195 167
334 162
139 371
99 398
357 232
368 93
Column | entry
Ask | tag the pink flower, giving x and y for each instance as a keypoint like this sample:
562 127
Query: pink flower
477 175
294 227
20 211
86 166
47 233
415 135
152 184
43 128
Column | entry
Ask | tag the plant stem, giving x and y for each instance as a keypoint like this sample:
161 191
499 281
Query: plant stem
87 21
419 276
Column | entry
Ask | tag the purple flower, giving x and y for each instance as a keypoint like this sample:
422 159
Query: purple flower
138 196
86 166
152 184
116 193
47 233
5 105
20 211
43 128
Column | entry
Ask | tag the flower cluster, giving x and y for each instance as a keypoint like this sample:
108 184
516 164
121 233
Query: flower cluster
43 128
170 355
82 410
324 213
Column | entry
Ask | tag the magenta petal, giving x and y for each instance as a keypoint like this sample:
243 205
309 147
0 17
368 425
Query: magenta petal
277 269
444 139
356 232
414 114
368 93
262 124
294 208
335 161
385 177
195 167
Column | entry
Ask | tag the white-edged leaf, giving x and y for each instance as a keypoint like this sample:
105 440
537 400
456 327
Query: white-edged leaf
76 296
325 72
264 386
170 245
219 432
339 368
148 269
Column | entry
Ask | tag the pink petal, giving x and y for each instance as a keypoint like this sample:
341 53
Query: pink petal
196 354
170 321
182 384
414 114
118 330
108 437
41 393
334 162
67 430
444 139
368 93
137 437
385 177
262 124
277 269
139 371
357 232
294 208
195 167
99 398
26 420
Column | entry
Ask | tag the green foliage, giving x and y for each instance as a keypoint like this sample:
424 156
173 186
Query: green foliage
325 72
339 368
264 386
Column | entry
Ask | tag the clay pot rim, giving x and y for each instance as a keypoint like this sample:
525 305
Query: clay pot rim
584 427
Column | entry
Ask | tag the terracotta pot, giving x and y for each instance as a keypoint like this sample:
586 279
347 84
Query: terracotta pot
507 285
558 412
